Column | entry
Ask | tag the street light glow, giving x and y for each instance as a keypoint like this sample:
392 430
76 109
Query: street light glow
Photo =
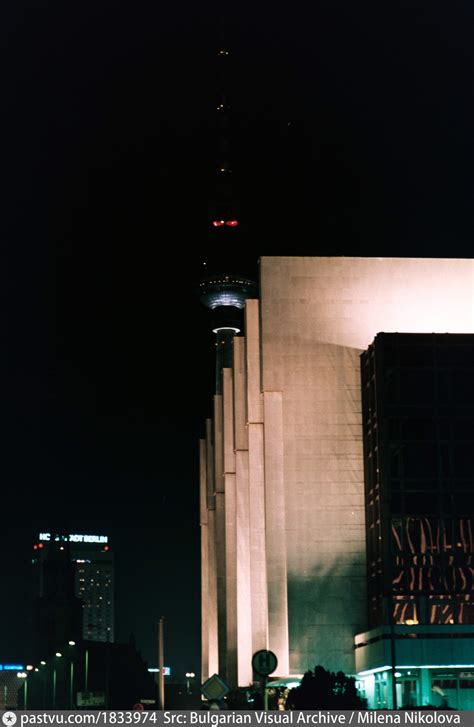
58 653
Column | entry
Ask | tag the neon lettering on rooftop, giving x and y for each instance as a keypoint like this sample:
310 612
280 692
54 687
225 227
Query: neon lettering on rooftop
75 538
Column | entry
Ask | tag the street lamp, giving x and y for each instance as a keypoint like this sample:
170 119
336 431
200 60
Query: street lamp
86 670
189 675
43 682
71 676
23 675
58 654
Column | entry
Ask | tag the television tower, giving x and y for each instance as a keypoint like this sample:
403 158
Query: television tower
222 292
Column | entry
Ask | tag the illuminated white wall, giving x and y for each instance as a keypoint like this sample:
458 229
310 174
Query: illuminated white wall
317 316
282 514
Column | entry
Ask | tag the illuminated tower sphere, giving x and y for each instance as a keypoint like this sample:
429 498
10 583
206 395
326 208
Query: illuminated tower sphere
225 296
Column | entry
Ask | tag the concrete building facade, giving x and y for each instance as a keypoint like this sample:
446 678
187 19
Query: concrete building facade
282 465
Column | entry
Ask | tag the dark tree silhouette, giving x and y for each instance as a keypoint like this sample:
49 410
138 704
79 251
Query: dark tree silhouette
321 689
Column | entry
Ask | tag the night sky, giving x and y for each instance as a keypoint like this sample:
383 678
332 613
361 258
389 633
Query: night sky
352 134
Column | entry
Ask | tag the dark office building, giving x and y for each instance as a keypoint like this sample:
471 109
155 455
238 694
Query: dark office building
94 586
92 571
59 611
418 429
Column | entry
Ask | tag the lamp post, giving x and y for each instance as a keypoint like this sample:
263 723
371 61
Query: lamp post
86 670
161 665
23 675
43 683
71 676
55 677
189 675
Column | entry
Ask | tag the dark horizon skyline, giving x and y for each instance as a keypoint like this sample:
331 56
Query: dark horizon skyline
353 136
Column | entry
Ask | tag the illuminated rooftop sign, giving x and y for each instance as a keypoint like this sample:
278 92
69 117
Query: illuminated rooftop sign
76 538
11 667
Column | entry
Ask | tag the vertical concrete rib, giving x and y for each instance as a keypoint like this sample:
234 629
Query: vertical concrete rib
210 465
231 578
244 621
258 572
220 531
218 445
243 609
252 353
241 440
275 521
228 420
204 561
213 661
230 527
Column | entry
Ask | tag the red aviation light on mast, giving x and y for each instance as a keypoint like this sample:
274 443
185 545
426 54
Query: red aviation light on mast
228 223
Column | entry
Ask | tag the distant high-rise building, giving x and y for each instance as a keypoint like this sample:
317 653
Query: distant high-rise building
58 613
92 573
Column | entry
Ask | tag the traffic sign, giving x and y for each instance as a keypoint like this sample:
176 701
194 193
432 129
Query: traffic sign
91 699
215 687
264 662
